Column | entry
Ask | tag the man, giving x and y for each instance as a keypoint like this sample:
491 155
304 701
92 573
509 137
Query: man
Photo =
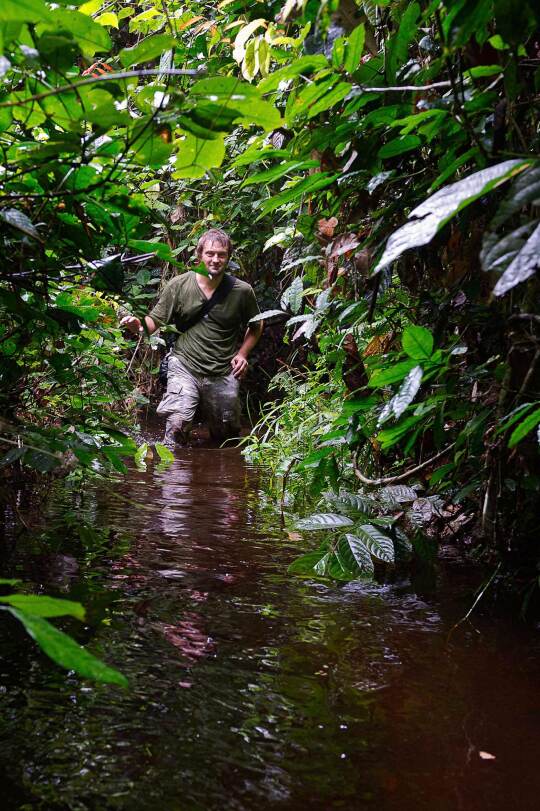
205 365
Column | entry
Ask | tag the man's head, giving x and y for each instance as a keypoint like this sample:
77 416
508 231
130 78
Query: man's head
214 250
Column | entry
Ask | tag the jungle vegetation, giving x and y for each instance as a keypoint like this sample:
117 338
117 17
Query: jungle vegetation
378 166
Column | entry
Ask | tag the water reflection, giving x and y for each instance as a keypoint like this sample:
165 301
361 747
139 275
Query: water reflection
251 689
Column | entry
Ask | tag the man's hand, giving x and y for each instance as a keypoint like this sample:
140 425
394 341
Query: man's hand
131 323
239 365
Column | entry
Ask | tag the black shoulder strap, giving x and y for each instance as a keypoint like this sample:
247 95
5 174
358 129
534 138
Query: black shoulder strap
219 295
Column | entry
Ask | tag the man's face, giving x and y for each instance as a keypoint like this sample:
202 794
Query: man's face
214 256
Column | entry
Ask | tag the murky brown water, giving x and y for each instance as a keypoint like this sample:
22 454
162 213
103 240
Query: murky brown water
252 689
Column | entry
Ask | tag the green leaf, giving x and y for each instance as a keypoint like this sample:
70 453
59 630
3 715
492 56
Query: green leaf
384 377
360 553
305 565
396 48
66 652
435 212
399 145
377 543
141 455
282 169
354 48
242 98
324 521
43 606
303 65
196 155
524 428
309 185
90 36
417 342
390 436
147 50
9 581
30 11
164 453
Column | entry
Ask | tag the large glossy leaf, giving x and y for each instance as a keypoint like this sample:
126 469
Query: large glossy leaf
395 373
147 50
292 297
404 397
31 11
433 214
399 145
66 652
305 565
499 252
525 190
399 493
243 98
397 45
89 35
417 342
324 521
360 552
17 219
354 48
377 543
524 428
196 155
523 266
44 606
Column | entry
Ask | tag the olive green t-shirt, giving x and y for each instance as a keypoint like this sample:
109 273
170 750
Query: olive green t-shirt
207 347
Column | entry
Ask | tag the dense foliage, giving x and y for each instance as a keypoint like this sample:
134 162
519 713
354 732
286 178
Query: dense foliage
376 163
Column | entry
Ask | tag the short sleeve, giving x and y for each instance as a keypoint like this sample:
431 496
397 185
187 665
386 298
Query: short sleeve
163 311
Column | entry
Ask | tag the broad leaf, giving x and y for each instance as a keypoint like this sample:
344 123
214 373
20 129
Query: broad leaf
417 342
384 377
360 553
43 606
308 185
398 493
354 48
377 543
292 297
196 155
147 50
433 214
305 565
324 521
522 267
20 221
404 397
303 65
267 315
164 453
524 428
66 652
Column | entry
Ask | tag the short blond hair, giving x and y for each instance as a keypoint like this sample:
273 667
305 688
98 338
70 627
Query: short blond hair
214 235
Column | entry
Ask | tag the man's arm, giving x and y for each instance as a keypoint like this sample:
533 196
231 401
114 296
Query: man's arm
240 361
134 324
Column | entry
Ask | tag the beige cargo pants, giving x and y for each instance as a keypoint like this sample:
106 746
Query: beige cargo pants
218 397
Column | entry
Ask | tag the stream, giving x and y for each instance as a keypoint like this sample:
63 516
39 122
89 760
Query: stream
251 688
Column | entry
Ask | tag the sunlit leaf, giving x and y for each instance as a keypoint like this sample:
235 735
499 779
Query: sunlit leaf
376 542
44 606
324 521
66 652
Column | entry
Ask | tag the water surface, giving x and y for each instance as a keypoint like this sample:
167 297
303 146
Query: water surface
251 689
